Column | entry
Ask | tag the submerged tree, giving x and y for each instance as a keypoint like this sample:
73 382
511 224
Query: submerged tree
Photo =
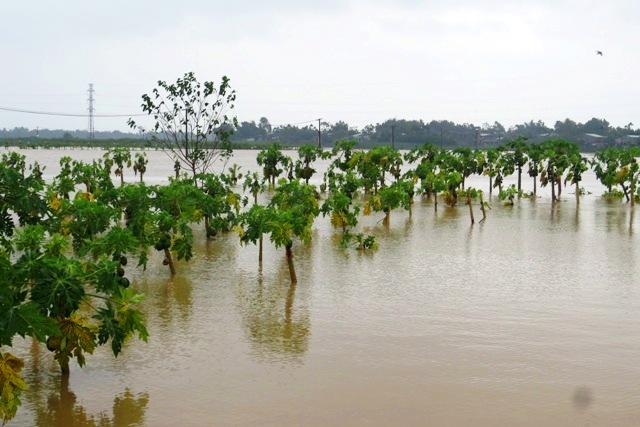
307 154
140 164
294 207
273 163
121 157
191 120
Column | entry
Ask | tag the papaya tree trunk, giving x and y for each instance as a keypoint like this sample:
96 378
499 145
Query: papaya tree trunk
470 208
64 370
169 260
626 193
535 185
292 269
577 193
260 252
387 217
482 208
490 186
559 179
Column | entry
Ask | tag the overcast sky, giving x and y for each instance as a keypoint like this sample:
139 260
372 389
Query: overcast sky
293 61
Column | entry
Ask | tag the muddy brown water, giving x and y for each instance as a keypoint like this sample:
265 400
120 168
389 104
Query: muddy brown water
531 318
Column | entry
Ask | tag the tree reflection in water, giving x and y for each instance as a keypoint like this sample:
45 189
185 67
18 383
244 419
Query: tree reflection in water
61 408
276 329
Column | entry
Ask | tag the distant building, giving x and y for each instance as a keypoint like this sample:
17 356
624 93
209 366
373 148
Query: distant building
594 140
628 140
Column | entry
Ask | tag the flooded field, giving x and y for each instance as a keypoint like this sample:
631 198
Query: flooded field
531 318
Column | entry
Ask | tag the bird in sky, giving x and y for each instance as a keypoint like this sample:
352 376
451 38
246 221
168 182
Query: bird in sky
599 52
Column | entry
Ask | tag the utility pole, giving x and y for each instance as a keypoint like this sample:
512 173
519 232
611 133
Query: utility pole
91 110
393 137
319 135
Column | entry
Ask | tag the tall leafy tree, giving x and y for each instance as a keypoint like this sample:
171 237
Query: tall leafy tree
191 120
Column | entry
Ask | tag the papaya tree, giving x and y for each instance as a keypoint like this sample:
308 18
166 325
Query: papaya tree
293 208
605 166
254 184
427 158
617 167
464 161
388 198
252 225
121 158
234 174
218 203
307 154
506 167
63 184
491 166
49 295
388 161
273 163
84 218
518 148
472 193
340 208
535 156
140 164
342 152
627 176
509 194
85 173
577 166
22 194
175 208
556 157
450 176
136 203
340 204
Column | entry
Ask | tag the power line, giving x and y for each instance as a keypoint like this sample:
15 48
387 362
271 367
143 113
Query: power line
49 113
294 124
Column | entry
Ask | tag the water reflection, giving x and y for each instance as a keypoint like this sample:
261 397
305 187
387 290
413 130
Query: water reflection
166 298
617 218
53 402
62 409
275 327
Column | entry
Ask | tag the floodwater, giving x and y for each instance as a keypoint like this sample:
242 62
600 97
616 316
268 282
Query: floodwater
531 318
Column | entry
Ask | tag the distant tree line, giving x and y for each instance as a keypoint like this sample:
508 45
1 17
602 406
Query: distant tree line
407 134
403 134
23 132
